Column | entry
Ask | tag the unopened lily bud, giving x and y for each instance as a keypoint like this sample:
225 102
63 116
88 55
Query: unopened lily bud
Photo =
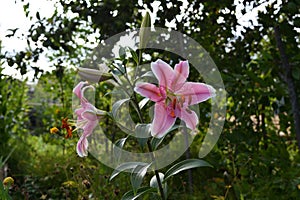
144 30
94 75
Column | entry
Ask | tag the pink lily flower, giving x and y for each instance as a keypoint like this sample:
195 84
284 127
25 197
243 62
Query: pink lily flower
173 96
87 118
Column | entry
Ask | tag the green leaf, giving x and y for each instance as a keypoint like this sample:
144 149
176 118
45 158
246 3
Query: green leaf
154 183
120 143
297 22
4 193
117 105
124 167
148 74
296 73
155 142
134 55
184 165
140 192
26 9
143 102
117 148
137 176
120 67
38 15
142 133
122 53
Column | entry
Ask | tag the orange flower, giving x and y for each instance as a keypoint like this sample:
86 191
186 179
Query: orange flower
67 126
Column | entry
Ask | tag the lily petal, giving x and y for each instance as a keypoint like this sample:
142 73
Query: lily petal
163 72
89 127
189 117
89 115
82 146
195 93
78 112
181 73
77 89
83 99
162 121
148 90
85 107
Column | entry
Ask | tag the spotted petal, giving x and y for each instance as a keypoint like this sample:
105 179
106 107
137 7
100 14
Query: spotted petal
162 121
189 117
148 90
181 72
163 72
195 93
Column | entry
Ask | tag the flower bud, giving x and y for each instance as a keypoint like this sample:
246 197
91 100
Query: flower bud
8 181
94 75
144 30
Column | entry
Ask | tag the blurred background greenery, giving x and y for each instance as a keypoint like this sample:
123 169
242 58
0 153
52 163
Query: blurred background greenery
257 155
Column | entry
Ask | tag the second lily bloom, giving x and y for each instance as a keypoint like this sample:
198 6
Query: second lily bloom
87 118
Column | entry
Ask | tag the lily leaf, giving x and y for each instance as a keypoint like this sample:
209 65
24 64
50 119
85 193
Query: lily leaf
184 165
140 192
143 102
120 143
149 74
154 183
155 142
124 167
142 133
117 105
116 148
134 55
137 176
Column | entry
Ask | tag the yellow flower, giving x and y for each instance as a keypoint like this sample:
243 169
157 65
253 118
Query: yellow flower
44 196
54 130
8 181
69 184
57 111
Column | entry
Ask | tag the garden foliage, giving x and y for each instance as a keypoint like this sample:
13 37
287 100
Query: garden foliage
257 155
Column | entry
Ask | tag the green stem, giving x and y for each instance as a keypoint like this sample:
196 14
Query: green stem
62 99
161 191
136 105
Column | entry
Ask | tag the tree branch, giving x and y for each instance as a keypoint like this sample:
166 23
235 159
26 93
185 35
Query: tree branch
289 80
